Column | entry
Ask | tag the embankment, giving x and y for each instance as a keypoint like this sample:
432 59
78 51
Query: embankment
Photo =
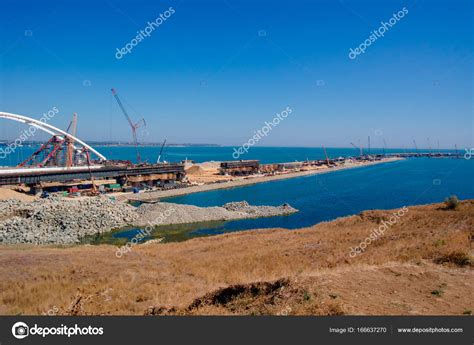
59 220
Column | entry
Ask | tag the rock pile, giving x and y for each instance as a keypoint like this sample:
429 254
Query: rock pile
59 220
169 213
259 211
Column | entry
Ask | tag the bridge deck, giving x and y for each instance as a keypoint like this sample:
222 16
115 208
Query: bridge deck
14 176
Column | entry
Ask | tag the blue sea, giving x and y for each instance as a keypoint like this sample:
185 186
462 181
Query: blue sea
341 193
210 153
325 197
318 198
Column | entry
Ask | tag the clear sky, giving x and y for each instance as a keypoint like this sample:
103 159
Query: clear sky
215 71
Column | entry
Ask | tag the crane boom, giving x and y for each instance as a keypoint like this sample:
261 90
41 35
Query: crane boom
161 151
132 125
358 148
122 108
327 158
416 147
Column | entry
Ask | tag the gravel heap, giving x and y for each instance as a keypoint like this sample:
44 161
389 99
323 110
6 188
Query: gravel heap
59 220
259 211
162 213
8 207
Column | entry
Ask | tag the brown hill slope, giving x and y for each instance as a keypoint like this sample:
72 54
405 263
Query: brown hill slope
420 265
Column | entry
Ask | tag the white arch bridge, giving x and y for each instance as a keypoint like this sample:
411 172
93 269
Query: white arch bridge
53 131
124 173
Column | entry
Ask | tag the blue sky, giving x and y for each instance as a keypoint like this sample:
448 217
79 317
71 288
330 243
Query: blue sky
215 71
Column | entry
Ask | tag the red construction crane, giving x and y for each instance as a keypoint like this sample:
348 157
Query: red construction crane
134 126
327 158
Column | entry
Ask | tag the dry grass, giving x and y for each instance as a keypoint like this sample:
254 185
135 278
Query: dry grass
395 275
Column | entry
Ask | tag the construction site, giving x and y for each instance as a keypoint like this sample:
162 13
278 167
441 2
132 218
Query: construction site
66 165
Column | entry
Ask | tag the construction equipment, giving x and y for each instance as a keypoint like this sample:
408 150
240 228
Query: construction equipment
327 158
88 158
161 151
357 148
50 151
133 126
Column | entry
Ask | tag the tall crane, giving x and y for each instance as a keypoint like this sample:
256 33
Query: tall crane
416 147
161 151
357 148
133 126
327 158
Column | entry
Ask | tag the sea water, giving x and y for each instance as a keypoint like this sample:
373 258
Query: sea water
331 195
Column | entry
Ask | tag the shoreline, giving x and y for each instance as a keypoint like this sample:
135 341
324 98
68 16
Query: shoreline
51 221
155 196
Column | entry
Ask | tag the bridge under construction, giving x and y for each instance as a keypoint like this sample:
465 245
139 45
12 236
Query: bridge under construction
67 160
